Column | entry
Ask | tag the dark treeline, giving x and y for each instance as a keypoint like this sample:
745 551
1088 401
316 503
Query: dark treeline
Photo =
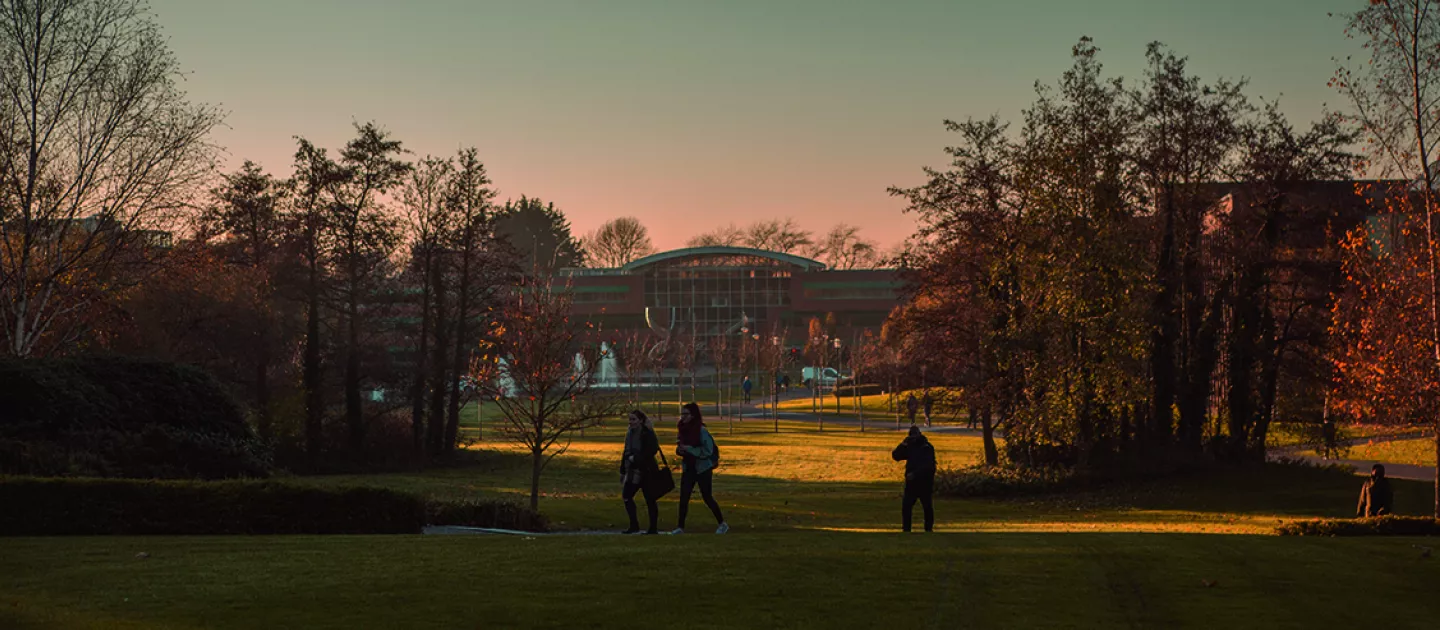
1114 281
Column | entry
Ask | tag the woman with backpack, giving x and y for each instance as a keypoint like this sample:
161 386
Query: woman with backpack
637 465
700 455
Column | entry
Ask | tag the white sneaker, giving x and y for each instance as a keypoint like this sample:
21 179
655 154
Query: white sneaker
724 527
677 530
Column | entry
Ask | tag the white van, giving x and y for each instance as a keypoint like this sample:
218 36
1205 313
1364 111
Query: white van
827 378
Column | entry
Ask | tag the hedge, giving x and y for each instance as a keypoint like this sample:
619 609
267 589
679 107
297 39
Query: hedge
122 417
866 389
1375 526
68 506
1002 481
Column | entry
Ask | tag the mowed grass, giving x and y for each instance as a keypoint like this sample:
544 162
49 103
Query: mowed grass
844 480
813 545
1416 452
820 580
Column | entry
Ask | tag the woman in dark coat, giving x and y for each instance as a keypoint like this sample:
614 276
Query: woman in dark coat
636 463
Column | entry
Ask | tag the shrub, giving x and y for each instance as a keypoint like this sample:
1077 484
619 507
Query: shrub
79 506
1003 481
490 514
68 506
119 417
1376 526
859 390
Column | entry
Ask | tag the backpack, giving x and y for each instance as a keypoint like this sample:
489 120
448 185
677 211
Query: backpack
714 451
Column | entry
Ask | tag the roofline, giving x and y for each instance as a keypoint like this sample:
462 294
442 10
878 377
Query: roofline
807 264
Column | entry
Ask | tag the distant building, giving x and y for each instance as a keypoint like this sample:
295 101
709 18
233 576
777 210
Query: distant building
715 291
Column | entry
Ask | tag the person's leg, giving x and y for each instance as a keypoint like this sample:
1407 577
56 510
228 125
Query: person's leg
628 494
907 505
705 487
653 509
927 496
687 485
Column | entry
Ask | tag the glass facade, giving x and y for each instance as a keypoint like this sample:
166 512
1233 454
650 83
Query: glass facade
716 295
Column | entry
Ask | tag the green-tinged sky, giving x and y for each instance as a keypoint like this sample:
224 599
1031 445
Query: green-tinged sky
691 114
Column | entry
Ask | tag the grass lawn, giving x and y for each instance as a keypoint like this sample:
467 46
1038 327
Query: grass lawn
845 481
813 544
819 580
1416 452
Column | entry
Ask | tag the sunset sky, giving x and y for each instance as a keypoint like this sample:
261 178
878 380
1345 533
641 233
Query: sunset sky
693 114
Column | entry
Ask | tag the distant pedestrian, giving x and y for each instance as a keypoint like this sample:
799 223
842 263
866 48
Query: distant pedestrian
700 455
919 457
1376 498
785 381
637 465
1330 446
745 386
929 405
911 406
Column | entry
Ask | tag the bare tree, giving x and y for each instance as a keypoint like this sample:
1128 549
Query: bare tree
728 236
423 195
97 145
533 344
479 270
617 242
778 236
843 248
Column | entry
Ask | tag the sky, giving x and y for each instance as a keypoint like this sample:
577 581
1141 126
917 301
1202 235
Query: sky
693 114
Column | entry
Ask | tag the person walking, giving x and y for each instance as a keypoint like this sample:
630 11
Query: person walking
929 405
919 457
637 465
911 406
700 455
745 387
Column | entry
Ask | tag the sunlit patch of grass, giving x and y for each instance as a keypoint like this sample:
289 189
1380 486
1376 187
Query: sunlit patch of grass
1415 452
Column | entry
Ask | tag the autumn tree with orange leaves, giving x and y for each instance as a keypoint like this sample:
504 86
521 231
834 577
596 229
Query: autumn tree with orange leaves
1389 314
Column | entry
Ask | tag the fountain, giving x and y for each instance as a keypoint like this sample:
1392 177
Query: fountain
607 376
504 382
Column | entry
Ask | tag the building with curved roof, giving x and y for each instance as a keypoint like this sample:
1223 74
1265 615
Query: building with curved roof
715 291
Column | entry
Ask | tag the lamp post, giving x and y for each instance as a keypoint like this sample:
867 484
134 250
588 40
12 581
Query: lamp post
775 385
838 361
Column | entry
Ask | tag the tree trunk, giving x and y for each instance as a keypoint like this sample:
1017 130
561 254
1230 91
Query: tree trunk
314 400
536 463
417 389
462 331
354 417
987 432
438 365
1162 341
264 421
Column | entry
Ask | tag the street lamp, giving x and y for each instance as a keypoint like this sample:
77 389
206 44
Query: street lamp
775 385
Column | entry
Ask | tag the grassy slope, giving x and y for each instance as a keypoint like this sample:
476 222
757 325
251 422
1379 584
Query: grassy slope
767 580
805 552
847 481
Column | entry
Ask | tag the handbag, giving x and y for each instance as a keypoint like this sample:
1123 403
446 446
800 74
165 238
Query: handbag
660 482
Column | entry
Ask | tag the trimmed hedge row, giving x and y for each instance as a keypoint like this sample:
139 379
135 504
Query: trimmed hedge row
1376 526
43 507
122 417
